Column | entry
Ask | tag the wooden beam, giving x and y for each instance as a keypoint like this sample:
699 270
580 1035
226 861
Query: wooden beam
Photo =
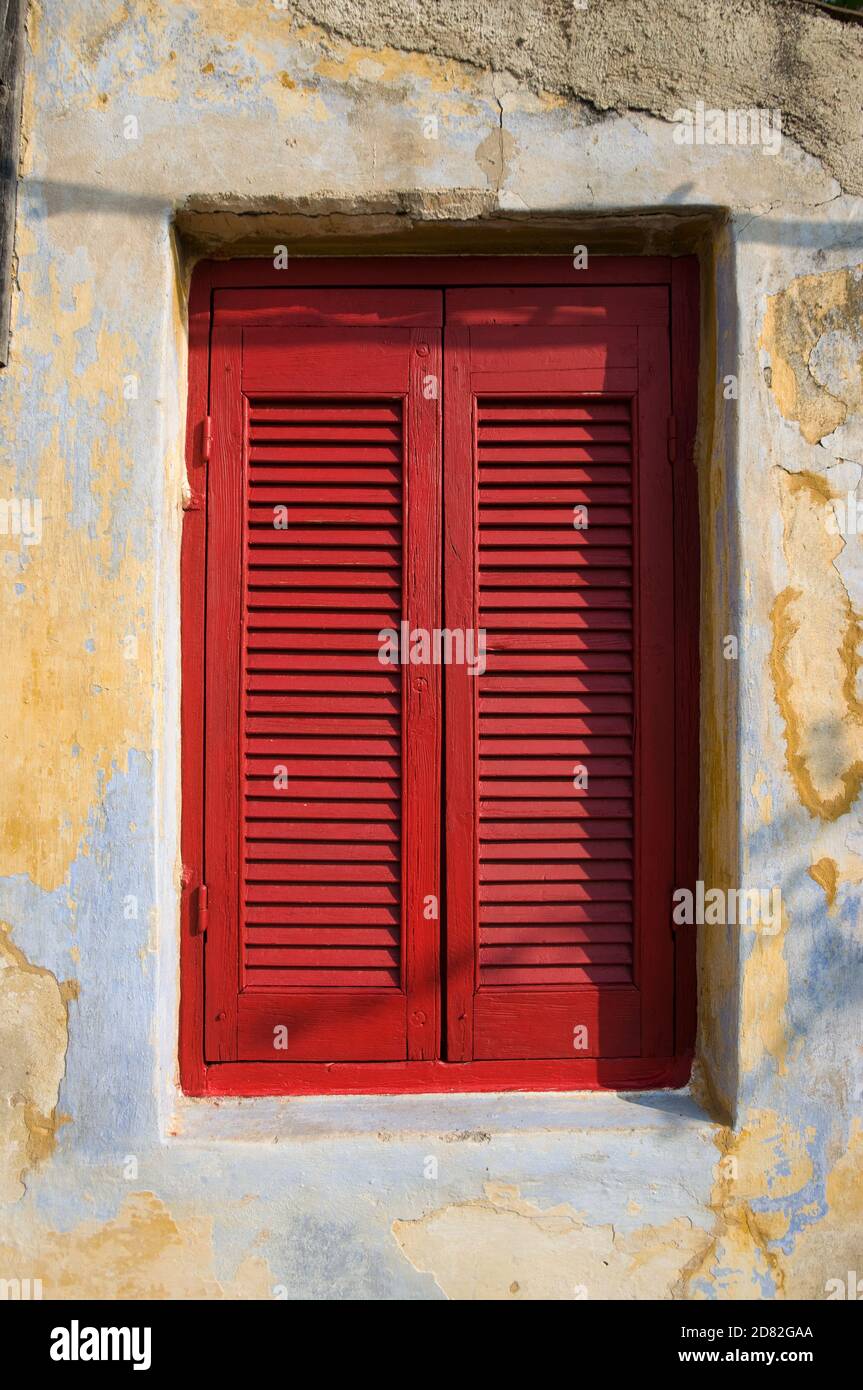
13 15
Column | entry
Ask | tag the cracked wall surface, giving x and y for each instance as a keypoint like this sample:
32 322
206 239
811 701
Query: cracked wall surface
158 131
501 1247
33 1039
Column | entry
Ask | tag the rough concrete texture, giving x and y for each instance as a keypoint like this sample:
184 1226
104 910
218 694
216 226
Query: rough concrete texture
638 55
155 128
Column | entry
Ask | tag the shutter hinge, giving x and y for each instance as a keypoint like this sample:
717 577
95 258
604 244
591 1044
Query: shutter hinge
201 916
672 438
206 438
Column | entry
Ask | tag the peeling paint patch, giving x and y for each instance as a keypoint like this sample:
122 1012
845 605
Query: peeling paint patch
75 703
760 790
780 1232
826 874
813 333
33 1039
829 1248
503 1247
763 1167
815 656
144 1252
765 995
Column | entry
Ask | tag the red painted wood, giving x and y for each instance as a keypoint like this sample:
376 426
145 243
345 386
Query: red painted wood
655 750
421 788
193 598
366 308
559 611
441 271
685 330
301 947
621 992
400 1078
574 309
226 501
460 612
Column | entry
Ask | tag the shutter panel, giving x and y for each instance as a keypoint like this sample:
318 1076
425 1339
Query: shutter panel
564 948
324 484
555 866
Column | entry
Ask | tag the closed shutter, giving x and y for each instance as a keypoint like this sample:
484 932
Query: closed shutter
321 771
329 797
560 814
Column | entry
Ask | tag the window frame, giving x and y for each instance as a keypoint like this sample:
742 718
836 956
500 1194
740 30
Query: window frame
680 275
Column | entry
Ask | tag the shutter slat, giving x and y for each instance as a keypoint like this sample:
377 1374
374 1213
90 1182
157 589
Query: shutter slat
537 833
306 746
324 411
489 413
318 499
495 874
277 682
336 767
313 914
322 810
262 511
269 475
344 542
601 933
319 874
555 975
354 937
265 455
271 602
260 833
324 978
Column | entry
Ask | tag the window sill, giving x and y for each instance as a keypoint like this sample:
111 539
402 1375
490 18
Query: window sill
468 1116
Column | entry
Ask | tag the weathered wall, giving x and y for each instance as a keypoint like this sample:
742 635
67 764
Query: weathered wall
254 123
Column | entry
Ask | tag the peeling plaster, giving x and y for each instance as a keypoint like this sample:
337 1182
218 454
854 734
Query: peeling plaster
826 873
813 334
503 1247
622 54
144 1252
33 1040
816 654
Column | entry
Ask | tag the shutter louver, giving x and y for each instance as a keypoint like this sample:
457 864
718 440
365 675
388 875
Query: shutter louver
322 901
555 862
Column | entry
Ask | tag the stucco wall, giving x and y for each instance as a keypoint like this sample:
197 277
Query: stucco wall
156 130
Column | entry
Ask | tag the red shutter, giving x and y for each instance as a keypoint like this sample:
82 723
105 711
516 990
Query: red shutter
312 818
321 772
557 400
